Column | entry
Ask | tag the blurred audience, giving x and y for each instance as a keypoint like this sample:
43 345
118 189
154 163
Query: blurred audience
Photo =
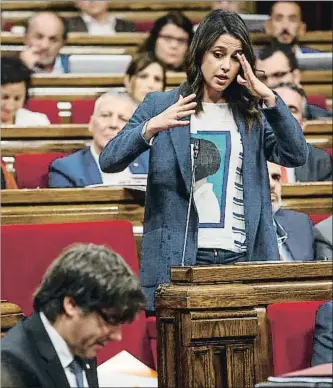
226 5
279 64
318 166
285 25
294 230
323 239
169 40
15 83
85 297
145 74
7 180
96 19
322 352
111 113
45 36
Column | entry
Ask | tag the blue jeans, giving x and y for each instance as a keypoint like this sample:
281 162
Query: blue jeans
209 256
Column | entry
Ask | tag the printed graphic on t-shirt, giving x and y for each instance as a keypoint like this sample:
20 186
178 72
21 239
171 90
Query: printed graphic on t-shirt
211 158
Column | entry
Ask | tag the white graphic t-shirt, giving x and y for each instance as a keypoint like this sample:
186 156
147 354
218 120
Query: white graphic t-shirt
217 156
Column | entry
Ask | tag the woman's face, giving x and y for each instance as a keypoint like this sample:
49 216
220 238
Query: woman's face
12 99
172 45
150 79
220 66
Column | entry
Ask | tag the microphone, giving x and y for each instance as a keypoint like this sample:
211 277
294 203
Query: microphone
196 150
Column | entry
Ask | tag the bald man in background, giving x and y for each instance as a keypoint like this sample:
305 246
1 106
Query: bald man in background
111 113
45 36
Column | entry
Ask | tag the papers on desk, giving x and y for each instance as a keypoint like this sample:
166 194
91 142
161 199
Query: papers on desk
136 182
124 370
317 374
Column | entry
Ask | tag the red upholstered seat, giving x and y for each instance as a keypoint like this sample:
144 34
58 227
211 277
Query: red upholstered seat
317 100
27 250
32 169
82 110
329 151
315 218
47 106
292 329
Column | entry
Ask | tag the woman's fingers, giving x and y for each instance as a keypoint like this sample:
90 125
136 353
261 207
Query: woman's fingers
184 100
191 105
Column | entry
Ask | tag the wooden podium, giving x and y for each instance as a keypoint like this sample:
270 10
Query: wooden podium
212 325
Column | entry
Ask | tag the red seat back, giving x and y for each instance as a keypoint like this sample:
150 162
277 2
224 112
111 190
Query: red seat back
32 169
317 100
292 329
315 218
82 111
47 106
27 250
329 151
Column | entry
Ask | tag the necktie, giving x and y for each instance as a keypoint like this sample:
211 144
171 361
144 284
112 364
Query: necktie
284 175
76 369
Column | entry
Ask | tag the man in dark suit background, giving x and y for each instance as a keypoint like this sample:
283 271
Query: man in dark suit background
323 337
294 230
80 169
318 166
95 19
86 295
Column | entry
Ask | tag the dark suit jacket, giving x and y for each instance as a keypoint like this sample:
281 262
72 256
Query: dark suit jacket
298 226
80 169
318 167
314 112
28 358
77 24
323 339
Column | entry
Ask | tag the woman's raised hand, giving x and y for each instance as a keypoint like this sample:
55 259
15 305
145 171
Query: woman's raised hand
172 116
253 84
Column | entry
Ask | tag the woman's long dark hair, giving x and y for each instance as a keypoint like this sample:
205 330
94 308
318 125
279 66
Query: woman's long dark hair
178 19
215 24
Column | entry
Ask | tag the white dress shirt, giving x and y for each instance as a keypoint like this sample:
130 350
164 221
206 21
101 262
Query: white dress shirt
115 178
28 118
95 28
63 352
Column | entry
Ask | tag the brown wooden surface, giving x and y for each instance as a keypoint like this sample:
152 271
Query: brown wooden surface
13 148
10 315
55 131
318 127
173 79
214 331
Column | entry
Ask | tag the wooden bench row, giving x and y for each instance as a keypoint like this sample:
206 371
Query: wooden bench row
95 204
72 137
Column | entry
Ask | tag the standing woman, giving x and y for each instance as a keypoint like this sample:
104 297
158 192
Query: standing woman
169 40
145 74
224 103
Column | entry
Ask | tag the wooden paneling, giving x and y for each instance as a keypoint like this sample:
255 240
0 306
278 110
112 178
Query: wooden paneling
217 314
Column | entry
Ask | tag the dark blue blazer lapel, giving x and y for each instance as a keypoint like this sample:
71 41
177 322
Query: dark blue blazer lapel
252 194
91 170
180 137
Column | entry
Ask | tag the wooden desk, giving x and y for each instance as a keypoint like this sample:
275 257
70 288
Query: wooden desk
212 322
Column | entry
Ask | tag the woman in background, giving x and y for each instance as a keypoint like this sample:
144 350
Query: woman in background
169 40
15 84
145 74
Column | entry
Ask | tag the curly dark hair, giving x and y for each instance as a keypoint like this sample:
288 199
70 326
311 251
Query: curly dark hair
13 71
217 23
96 279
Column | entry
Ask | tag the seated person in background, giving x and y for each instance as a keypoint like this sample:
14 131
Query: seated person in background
15 83
323 338
111 113
85 297
45 36
96 19
169 40
7 180
318 166
144 75
323 239
226 5
294 230
279 64
285 25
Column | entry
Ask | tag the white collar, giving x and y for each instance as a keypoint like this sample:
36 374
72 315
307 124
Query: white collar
95 156
89 20
59 344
